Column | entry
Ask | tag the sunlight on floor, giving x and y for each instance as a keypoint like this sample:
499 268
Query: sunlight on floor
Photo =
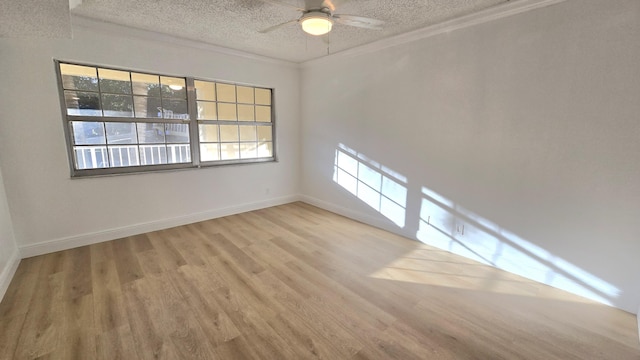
446 225
488 243
429 266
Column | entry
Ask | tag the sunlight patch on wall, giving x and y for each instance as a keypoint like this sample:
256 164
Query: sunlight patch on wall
448 226
381 188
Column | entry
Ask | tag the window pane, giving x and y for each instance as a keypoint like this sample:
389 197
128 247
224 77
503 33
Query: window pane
207 110
147 107
153 154
229 151
248 133
205 90
178 153
265 133
87 133
208 133
245 94
90 157
263 113
177 133
117 105
175 109
246 113
209 152
226 92
146 84
265 149
263 96
79 77
121 133
114 81
248 150
82 103
173 87
227 112
124 156
150 133
228 133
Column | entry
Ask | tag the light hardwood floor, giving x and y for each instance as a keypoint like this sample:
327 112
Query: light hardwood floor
293 282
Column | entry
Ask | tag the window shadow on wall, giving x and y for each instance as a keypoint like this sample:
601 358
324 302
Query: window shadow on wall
444 224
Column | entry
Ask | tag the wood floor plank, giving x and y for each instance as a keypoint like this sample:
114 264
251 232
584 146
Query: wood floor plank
102 252
202 237
169 257
237 348
10 327
253 324
77 330
188 247
255 232
233 230
149 341
293 282
21 289
205 237
303 339
327 329
194 286
41 330
324 292
140 243
108 302
235 255
149 262
116 344
126 262
242 286
77 265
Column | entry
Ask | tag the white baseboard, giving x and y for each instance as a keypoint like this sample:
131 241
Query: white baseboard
7 273
49 246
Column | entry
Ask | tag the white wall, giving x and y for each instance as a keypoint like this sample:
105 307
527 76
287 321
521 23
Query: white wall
51 211
8 250
524 130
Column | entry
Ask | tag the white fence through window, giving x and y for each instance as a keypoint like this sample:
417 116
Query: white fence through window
91 157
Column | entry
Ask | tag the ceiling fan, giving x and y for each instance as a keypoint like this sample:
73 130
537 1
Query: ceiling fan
318 17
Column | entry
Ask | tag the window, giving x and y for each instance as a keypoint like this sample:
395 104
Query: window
234 121
119 121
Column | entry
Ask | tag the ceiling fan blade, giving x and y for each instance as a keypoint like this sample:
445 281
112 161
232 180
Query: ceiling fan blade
359 21
276 27
283 3
321 4
333 4
74 4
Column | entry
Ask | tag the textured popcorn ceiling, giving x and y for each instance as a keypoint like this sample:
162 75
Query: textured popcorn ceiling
236 23
35 18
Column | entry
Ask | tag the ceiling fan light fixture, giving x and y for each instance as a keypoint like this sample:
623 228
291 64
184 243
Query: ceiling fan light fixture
316 23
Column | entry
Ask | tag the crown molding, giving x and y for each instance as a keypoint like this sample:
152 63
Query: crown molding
491 14
81 22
